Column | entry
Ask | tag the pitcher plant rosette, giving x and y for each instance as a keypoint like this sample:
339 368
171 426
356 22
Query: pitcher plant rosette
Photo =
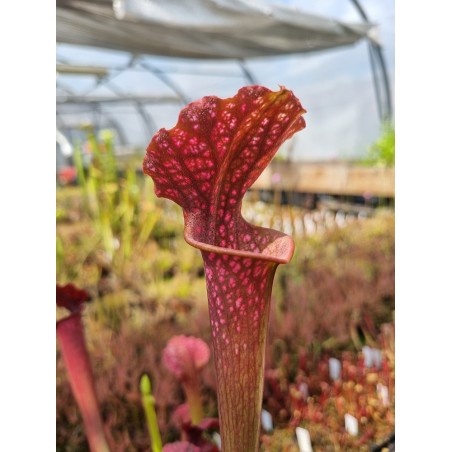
206 163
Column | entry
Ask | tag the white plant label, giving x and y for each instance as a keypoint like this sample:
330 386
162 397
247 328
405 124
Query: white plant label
217 439
267 421
304 389
335 368
383 394
368 356
372 357
351 424
304 439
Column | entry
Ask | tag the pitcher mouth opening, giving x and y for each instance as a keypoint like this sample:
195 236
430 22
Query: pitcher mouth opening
279 251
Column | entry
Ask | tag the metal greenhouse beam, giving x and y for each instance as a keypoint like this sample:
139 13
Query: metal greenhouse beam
247 73
166 80
72 69
375 50
83 99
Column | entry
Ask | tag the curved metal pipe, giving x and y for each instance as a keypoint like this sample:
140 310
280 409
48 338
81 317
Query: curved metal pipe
377 51
375 81
166 80
149 124
247 73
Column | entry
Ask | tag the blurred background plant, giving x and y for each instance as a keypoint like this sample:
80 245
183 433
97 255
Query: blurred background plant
121 208
382 152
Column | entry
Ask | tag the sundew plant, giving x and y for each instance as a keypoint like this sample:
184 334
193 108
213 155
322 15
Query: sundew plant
206 163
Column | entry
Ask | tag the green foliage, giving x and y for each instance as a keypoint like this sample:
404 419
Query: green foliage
151 417
59 254
121 207
382 152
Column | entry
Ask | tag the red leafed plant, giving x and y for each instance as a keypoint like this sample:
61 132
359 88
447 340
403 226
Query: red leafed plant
206 163
75 355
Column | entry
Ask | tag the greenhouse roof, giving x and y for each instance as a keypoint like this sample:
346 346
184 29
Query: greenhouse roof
130 65
212 29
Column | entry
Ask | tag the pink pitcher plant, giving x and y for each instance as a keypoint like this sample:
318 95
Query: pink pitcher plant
184 357
206 163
